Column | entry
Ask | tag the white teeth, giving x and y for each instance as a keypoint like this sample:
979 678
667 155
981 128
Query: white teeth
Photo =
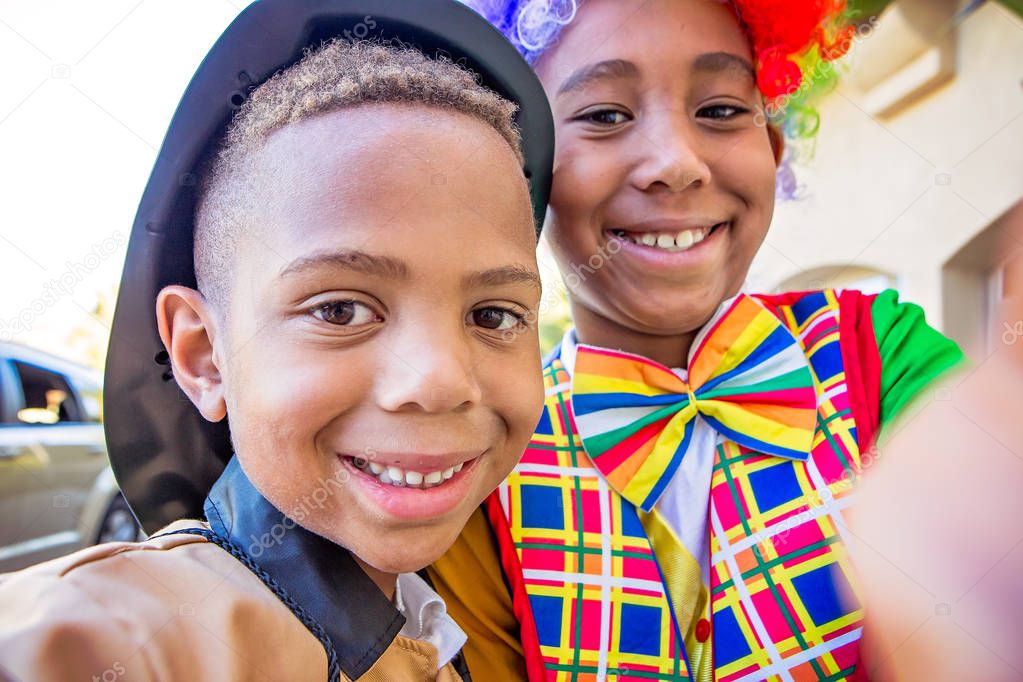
399 477
680 241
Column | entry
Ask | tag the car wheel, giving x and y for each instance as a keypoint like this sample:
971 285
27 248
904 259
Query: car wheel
119 524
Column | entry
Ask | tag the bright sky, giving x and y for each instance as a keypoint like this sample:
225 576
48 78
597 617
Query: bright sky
89 88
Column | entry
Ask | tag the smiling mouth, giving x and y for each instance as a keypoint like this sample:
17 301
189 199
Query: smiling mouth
672 242
406 478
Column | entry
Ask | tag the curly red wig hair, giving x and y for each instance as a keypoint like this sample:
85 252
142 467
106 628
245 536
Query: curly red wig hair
786 35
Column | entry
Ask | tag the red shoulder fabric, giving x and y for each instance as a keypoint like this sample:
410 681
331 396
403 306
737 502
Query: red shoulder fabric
535 671
862 361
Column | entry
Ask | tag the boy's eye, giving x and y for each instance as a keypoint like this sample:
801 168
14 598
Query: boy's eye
496 319
721 112
605 117
345 313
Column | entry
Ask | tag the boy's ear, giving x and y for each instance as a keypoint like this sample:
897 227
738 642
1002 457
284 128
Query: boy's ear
777 142
188 328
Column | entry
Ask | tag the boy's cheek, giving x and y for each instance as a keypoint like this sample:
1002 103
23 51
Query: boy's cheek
582 186
516 394
520 390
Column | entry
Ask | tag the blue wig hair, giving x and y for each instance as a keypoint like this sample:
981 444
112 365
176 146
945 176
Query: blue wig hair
531 25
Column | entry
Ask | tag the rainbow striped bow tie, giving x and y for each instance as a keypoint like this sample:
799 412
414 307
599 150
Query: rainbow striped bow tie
748 378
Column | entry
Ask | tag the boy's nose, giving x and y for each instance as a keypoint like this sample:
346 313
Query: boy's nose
668 156
432 373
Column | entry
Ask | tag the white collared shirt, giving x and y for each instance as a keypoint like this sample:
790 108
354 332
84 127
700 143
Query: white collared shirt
426 617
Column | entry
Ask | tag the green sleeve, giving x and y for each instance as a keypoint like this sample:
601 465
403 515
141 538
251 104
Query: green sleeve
913 353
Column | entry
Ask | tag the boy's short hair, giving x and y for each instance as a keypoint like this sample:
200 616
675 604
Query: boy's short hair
339 74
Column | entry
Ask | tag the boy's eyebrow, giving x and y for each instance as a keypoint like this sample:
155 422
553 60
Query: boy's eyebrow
716 62
349 259
392 268
508 274
607 69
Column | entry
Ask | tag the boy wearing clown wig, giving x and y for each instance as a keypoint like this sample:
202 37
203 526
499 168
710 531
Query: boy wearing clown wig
679 512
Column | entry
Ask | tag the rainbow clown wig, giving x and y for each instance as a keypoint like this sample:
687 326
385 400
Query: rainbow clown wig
793 43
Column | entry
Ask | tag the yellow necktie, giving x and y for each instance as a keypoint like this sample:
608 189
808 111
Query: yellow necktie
690 597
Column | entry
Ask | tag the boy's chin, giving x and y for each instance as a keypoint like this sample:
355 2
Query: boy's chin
396 558
407 554
683 309
667 317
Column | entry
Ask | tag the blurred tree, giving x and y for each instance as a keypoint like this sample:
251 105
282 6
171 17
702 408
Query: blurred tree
867 8
871 8
86 341
555 318
1015 5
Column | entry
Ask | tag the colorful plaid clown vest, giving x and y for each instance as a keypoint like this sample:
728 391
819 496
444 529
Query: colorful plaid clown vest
586 585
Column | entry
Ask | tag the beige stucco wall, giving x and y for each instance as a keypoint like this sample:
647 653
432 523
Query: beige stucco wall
902 193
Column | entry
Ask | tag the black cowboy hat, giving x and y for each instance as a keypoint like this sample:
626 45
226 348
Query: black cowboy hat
164 454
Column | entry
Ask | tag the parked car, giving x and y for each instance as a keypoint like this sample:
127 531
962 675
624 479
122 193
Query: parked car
57 492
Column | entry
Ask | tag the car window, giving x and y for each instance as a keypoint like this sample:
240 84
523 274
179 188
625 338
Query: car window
48 398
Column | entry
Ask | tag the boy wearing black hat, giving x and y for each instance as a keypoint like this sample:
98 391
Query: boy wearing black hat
364 318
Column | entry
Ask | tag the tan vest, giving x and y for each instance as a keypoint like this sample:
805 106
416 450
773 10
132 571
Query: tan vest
176 607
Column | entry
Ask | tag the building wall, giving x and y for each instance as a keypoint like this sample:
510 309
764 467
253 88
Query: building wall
912 164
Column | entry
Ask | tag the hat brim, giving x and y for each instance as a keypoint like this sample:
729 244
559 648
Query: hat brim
164 454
